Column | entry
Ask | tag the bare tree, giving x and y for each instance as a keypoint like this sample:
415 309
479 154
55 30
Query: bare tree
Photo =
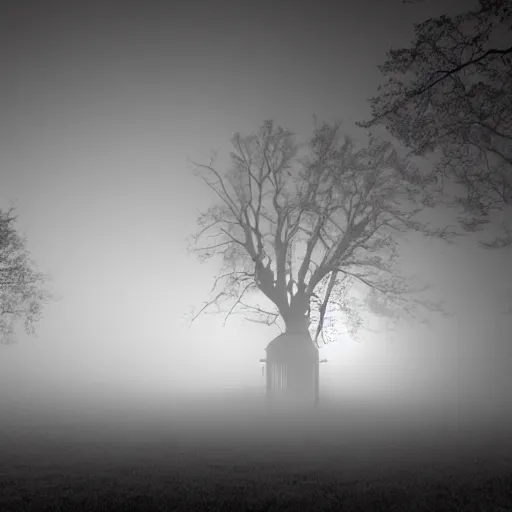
22 295
304 230
451 92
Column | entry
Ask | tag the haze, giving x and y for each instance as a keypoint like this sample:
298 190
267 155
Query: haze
101 109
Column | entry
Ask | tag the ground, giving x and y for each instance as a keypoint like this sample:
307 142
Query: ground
349 460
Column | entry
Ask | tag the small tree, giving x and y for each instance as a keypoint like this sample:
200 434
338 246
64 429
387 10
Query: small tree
451 91
21 292
303 231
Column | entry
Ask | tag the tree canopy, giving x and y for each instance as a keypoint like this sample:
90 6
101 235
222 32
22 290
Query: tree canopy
22 295
303 230
450 92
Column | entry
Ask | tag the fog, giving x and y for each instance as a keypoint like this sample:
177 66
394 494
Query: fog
98 127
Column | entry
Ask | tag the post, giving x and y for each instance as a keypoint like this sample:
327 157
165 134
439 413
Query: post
268 380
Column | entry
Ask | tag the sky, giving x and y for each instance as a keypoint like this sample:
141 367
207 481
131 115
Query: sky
103 105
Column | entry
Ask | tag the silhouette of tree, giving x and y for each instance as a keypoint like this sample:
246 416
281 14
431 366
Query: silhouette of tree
21 292
304 230
451 92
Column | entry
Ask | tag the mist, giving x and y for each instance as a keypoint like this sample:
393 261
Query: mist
103 108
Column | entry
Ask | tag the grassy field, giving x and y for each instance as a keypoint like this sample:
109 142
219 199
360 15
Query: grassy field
120 460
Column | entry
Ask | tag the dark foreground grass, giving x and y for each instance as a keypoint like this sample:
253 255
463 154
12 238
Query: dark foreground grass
234 464
223 489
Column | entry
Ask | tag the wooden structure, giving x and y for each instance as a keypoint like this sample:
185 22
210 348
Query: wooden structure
292 369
